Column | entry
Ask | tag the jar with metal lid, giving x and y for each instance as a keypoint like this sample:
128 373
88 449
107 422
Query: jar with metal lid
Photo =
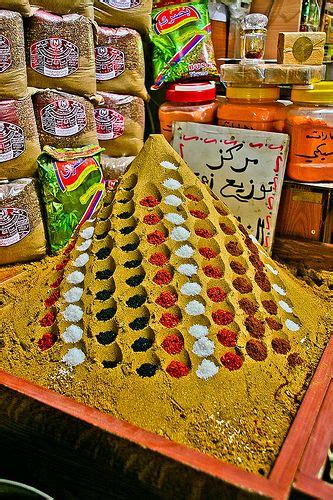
310 126
188 102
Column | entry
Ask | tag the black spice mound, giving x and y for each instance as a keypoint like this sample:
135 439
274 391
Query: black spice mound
131 264
104 275
127 229
136 301
147 370
135 280
103 295
103 253
106 338
130 247
139 323
142 344
106 314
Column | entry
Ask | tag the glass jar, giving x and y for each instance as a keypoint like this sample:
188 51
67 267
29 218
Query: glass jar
310 126
253 108
192 102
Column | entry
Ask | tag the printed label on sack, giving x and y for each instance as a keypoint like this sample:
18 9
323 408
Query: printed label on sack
5 54
110 63
63 118
122 4
14 226
109 123
172 19
12 142
54 57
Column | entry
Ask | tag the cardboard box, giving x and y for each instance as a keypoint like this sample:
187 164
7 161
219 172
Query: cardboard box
301 48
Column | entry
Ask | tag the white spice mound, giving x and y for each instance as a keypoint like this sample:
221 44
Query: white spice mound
87 232
73 333
180 234
253 238
194 308
191 289
206 369
176 219
198 331
81 260
286 307
171 183
75 277
278 289
73 294
203 347
188 269
292 326
173 200
84 245
74 357
272 270
169 165
185 251
73 313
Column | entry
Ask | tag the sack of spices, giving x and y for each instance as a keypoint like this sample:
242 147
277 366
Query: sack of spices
83 7
120 63
64 120
72 187
60 53
183 48
120 123
19 143
22 235
21 6
13 73
130 13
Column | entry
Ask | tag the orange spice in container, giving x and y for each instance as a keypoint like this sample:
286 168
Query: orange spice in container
253 108
188 102
310 126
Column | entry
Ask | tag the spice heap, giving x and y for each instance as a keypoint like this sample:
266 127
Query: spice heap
179 318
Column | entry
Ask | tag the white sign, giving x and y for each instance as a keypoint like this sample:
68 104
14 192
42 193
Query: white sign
245 168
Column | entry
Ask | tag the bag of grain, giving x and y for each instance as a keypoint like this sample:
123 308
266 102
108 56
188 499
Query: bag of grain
60 53
120 124
130 13
13 73
64 120
19 143
21 6
83 7
120 63
22 235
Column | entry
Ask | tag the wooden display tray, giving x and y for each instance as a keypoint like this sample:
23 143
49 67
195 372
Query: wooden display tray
314 254
100 456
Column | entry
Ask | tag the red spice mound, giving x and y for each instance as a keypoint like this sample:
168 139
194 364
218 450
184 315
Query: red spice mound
48 319
47 341
177 369
281 346
256 350
237 267
192 197
70 247
226 337
294 359
251 246
207 252
216 294
234 249
149 201
231 361
162 277
173 344
204 233
169 320
248 306
221 317
57 282
222 211
256 262
243 230
52 299
270 306
273 324
156 238
62 264
242 285
213 272
254 326
167 299
262 281
227 229
199 214
158 259
151 219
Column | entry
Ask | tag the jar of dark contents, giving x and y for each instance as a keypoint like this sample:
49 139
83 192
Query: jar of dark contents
253 38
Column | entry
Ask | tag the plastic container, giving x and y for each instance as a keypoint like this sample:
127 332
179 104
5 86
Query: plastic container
310 126
253 108
192 102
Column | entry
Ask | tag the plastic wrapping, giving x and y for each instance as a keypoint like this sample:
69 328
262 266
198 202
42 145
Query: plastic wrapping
113 168
130 13
83 7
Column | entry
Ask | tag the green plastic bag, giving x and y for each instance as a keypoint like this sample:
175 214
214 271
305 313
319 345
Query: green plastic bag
72 187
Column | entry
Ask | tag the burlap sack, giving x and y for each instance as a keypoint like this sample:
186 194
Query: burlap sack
120 62
13 73
19 143
21 6
130 13
83 7
60 53
22 235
